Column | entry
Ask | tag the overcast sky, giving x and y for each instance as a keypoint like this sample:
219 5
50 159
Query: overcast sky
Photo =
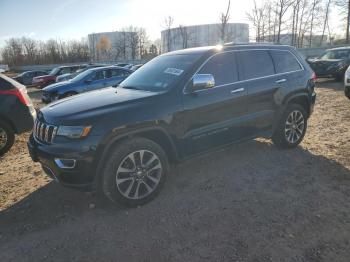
74 19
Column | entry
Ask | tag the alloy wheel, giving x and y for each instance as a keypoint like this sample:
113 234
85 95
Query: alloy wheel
294 126
139 174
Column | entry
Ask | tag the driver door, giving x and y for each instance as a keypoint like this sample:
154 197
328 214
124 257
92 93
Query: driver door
215 116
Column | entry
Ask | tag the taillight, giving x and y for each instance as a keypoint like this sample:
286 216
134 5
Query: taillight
21 94
313 76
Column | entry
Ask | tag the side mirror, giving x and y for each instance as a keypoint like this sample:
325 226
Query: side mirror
88 81
202 81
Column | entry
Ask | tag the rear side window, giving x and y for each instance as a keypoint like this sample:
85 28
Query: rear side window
222 67
100 75
255 64
118 72
284 61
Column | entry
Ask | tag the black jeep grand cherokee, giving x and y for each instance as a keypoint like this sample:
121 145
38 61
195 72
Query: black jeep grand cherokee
122 139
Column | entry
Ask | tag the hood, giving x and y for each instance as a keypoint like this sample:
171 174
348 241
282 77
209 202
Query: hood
56 86
92 105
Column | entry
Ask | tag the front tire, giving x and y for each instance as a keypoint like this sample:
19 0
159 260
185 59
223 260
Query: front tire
7 137
291 128
135 172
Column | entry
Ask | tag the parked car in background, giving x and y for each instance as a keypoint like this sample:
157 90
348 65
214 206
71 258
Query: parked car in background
347 82
68 76
91 79
42 81
177 105
333 63
4 68
135 67
26 78
17 113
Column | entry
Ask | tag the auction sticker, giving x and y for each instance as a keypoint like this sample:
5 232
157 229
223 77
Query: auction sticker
173 71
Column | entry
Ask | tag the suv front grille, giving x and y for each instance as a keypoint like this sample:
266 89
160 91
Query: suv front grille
44 132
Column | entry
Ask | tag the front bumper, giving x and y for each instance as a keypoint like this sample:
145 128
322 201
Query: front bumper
80 177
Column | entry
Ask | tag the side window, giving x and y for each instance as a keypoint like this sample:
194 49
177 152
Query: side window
116 73
222 67
100 75
284 61
65 70
254 64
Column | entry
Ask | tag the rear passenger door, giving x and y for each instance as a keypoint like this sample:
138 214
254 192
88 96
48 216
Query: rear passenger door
257 73
215 116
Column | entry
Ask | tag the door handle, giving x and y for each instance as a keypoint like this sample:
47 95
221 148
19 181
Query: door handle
279 81
237 90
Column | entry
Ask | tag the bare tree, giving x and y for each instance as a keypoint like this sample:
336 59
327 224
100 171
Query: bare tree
325 22
184 35
345 9
224 18
168 23
282 8
257 18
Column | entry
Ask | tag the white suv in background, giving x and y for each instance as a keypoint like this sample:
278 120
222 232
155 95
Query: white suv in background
347 82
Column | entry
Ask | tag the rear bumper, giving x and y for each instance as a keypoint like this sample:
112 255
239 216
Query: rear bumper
312 103
80 177
23 120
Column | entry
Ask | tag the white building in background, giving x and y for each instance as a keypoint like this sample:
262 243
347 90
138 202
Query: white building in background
114 46
202 35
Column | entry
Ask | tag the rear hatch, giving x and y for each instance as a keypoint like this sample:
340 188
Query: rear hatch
9 86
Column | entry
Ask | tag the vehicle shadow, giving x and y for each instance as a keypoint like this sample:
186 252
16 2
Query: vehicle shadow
244 186
329 83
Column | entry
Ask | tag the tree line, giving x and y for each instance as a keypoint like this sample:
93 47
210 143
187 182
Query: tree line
27 51
306 22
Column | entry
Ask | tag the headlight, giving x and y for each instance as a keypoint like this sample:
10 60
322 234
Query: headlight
73 132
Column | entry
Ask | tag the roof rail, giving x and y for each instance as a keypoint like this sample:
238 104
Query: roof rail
249 43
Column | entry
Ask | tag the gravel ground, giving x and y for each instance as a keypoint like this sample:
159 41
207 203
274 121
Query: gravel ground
250 202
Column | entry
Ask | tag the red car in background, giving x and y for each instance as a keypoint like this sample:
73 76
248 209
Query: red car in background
42 81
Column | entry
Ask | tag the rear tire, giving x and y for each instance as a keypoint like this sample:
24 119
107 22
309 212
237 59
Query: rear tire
135 172
7 137
291 128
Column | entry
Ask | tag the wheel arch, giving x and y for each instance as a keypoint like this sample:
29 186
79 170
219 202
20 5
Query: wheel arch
155 134
300 99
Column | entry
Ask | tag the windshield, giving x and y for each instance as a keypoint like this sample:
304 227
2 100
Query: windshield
160 73
54 71
81 76
336 54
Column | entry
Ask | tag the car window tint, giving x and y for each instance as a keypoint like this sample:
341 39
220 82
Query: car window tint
116 73
222 67
65 70
284 61
100 75
254 64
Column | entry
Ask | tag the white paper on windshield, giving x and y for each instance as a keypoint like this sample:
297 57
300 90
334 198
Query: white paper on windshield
173 71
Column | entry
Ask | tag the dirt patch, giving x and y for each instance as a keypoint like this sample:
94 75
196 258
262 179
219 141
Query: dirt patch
250 202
